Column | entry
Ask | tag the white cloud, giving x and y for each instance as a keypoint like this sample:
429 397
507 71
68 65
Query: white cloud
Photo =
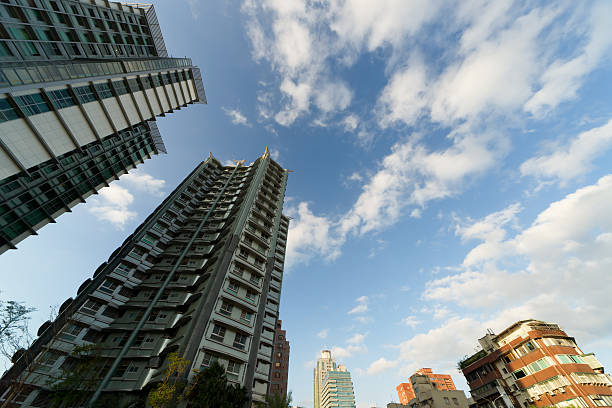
562 79
112 205
348 351
275 154
539 266
310 235
411 321
362 305
142 181
350 122
323 334
357 338
572 160
380 365
236 116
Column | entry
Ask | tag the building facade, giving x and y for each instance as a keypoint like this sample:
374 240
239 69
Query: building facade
325 363
200 277
441 381
428 394
535 363
81 84
337 389
280 363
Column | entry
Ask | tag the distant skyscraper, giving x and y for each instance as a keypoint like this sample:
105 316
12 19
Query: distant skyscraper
337 389
535 363
440 381
280 362
200 277
325 363
81 83
333 386
428 394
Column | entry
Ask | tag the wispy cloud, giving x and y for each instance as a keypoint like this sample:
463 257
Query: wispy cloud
362 305
323 334
236 117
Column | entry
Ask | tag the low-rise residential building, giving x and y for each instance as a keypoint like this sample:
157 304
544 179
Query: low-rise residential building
440 381
535 363
427 394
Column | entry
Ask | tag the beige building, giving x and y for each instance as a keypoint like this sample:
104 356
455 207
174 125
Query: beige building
325 363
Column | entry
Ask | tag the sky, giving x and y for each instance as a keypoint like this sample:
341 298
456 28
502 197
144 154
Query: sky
451 173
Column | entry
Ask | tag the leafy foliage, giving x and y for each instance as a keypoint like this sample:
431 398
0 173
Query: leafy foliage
279 401
211 390
14 333
166 392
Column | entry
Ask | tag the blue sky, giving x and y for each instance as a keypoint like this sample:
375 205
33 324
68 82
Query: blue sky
451 173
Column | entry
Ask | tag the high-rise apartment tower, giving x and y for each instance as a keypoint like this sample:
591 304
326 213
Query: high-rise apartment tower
325 363
535 363
280 363
81 83
201 277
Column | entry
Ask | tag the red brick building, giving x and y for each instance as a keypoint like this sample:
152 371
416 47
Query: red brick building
535 363
280 362
440 381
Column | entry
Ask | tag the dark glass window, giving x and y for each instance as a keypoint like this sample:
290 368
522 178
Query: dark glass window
6 111
120 87
32 104
62 98
84 94
103 90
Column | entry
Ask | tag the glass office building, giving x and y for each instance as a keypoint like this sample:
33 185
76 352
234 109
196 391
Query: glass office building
81 85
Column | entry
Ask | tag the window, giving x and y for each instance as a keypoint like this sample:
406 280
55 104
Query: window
251 296
84 94
539 365
508 358
246 316
240 341
218 333
455 401
446 400
530 346
108 286
208 359
149 239
520 373
6 111
32 104
226 308
232 287
61 98
122 269
120 87
569 359
91 307
103 90
71 332
233 369
49 358
602 400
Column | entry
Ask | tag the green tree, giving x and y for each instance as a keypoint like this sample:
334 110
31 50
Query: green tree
167 391
14 333
277 400
211 390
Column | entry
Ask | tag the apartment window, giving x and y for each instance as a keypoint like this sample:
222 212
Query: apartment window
149 239
240 341
455 401
255 280
446 401
108 286
71 332
232 287
122 269
208 360
6 111
91 307
520 373
570 359
84 94
32 104
602 400
251 296
218 333
226 308
539 364
246 316
530 346
49 358
233 369
61 98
